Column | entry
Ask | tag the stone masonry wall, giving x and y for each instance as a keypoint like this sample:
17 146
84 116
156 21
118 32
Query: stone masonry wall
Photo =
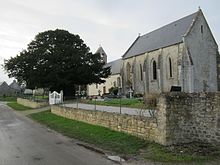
144 127
179 118
192 117
30 103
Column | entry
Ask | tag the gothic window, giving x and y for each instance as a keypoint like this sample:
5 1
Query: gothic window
96 86
141 73
154 70
128 71
119 82
170 67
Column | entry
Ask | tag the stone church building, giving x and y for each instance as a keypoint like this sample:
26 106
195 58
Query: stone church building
183 53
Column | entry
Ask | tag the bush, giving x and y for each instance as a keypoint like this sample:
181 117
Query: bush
151 99
138 95
113 90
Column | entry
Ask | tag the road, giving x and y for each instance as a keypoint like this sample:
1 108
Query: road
25 142
111 109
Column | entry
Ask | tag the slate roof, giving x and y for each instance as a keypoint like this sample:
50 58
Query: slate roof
2 83
165 36
14 85
115 66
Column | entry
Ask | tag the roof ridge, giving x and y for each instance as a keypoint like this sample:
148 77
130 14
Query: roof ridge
164 36
170 23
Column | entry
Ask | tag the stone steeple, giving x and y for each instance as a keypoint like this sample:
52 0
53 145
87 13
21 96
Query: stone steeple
102 53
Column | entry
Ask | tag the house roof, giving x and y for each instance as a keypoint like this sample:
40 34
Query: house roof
115 66
15 85
2 83
165 36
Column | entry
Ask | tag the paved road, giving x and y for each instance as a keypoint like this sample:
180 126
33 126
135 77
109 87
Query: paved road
25 142
124 110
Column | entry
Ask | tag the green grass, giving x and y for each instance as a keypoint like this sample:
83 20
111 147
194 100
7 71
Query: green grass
132 103
102 137
8 98
157 152
118 142
17 107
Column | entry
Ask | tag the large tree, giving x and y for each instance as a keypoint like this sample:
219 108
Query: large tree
57 60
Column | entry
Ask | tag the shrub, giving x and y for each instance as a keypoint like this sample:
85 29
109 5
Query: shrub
151 99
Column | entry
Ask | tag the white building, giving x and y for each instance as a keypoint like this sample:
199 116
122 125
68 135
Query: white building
114 80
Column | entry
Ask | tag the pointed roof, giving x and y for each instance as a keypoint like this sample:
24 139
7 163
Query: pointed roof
115 66
14 85
3 82
100 50
165 36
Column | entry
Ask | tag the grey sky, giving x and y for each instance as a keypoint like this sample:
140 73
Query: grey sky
112 23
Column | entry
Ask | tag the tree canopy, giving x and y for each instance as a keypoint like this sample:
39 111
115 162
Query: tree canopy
57 60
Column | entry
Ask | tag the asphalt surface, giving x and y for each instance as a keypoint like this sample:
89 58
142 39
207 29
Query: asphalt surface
111 109
25 142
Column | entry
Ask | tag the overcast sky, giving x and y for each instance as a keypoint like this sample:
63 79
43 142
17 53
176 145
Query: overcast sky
114 24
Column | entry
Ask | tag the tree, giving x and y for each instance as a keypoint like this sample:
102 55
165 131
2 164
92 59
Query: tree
57 60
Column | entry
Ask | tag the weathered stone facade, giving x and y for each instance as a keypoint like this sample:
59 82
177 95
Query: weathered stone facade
179 118
193 117
183 53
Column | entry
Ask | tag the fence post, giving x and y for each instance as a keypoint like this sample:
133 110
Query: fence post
77 106
120 104
95 103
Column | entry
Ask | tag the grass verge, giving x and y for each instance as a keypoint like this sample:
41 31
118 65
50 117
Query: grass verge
17 107
118 142
132 103
100 136
7 98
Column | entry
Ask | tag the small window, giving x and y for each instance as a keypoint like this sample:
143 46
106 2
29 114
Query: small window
114 83
97 86
141 73
202 29
154 70
170 67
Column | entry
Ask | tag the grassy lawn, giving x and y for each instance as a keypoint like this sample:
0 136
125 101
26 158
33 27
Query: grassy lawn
8 98
17 107
133 103
123 144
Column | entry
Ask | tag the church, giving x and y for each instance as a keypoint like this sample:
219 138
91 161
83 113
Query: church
182 55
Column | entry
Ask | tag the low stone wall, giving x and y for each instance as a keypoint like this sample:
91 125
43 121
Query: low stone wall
30 103
144 127
179 118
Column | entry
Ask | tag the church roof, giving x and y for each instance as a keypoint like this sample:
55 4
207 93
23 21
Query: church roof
165 36
115 66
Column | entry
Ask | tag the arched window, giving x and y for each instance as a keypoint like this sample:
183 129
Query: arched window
128 71
170 67
141 73
154 70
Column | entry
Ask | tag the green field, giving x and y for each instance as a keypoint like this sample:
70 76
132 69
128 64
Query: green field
132 103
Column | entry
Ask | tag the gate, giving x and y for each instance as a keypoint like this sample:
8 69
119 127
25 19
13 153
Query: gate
55 97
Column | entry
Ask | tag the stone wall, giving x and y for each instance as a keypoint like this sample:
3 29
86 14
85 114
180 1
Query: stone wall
30 103
179 118
192 117
150 128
